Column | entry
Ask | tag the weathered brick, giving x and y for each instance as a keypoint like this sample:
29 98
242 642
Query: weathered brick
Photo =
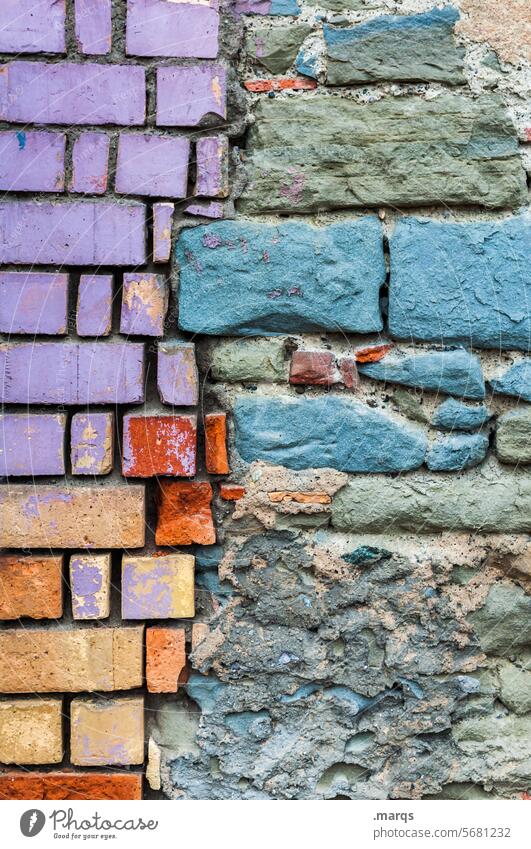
32 444
177 374
159 28
158 587
217 462
90 585
93 26
72 661
211 209
162 227
165 658
33 303
32 586
144 304
325 432
454 372
231 492
70 785
107 732
32 26
349 372
461 282
90 164
32 161
152 165
212 167
72 517
296 277
92 443
372 353
317 368
186 94
31 731
72 373
184 514
72 93
77 233
159 445
294 83
94 305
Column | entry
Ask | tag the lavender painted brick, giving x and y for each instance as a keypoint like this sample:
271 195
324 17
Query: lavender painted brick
71 373
32 444
162 226
69 93
214 209
79 233
144 304
33 303
32 161
158 587
152 165
92 443
186 95
212 154
90 164
32 26
162 28
177 375
90 583
93 26
94 305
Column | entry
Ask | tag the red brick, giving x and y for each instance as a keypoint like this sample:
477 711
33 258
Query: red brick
184 514
165 659
349 372
159 445
295 83
315 368
31 586
216 444
57 786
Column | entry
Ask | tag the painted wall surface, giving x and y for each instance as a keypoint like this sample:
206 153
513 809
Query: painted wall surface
265 438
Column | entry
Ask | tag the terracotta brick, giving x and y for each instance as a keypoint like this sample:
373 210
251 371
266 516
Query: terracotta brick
372 353
165 658
217 462
159 445
300 497
349 372
90 584
231 491
60 786
184 514
158 587
73 661
315 368
107 732
31 731
31 586
295 83
72 517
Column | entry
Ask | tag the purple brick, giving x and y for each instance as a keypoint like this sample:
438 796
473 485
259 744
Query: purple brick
33 303
167 28
144 304
212 154
32 26
162 225
72 373
94 304
93 26
90 583
92 443
90 164
152 165
79 233
69 93
32 161
186 95
214 209
32 444
177 375
158 587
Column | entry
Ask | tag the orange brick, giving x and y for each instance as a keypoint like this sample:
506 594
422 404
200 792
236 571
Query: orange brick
231 492
373 353
165 658
57 786
159 445
184 514
216 444
295 83
31 586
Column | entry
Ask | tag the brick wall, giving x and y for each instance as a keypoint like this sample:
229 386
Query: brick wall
265 429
